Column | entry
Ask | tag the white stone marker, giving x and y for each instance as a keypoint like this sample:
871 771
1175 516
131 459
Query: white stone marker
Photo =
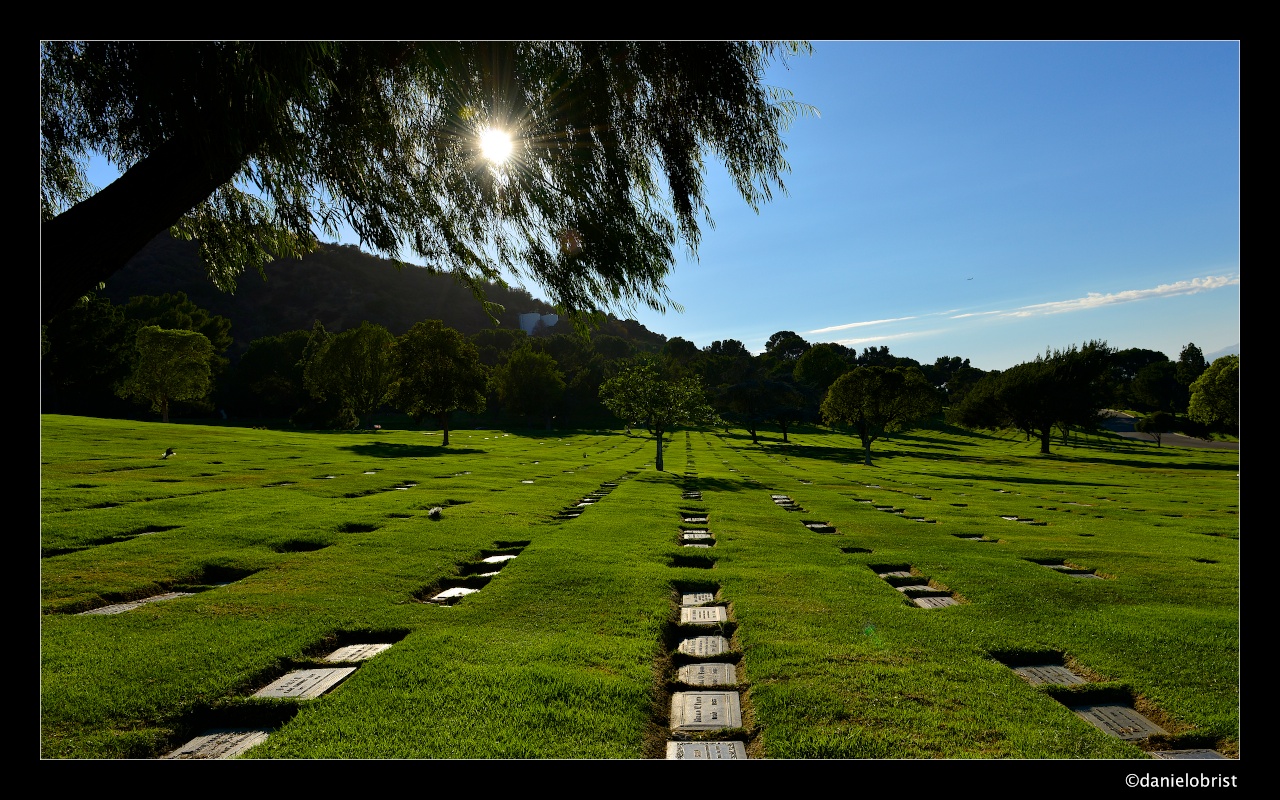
451 594
1119 721
706 751
496 559
690 536
356 652
120 608
220 743
304 684
697 598
705 711
699 520
708 674
703 615
703 646
1201 753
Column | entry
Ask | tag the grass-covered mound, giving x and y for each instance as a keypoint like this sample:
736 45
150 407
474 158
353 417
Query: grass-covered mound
1120 560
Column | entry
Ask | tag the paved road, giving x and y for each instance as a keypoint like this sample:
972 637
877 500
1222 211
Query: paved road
1122 424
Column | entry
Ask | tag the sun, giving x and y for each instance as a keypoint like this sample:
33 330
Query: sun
495 145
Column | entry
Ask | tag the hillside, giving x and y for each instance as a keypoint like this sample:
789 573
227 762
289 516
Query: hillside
339 285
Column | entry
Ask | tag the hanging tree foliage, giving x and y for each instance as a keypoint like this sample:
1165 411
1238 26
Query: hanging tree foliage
251 147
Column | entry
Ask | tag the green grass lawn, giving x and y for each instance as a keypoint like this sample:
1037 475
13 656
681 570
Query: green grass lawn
291 544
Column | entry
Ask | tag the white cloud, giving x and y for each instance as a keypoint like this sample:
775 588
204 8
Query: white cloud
1097 300
859 325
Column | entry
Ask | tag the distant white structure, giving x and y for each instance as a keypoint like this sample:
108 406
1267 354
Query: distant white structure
529 321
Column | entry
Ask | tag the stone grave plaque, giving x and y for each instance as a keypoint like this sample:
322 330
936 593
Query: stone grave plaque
702 520
705 711
921 590
705 751
496 559
691 536
1010 519
935 602
120 608
1048 673
370 472
820 527
695 530
703 646
1119 721
220 743
453 595
356 652
778 497
694 544
304 684
1200 753
697 598
898 573
703 615
526 481
715 674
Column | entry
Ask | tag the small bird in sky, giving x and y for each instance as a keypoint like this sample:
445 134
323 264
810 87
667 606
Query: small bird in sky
169 452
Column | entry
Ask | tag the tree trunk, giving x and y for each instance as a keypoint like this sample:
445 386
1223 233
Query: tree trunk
444 425
1045 436
89 242
659 459
164 410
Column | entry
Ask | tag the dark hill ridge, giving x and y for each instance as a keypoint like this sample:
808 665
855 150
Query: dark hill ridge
339 285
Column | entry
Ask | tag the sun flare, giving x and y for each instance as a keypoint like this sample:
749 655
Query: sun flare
495 145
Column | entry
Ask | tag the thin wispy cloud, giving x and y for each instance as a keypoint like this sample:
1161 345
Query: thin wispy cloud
1098 300
849 325
882 339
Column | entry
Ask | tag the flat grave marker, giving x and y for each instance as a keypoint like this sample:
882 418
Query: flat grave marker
1055 674
496 559
706 751
711 674
697 598
357 652
703 615
120 608
1120 721
704 646
220 743
1197 754
935 602
705 711
304 684
692 536
453 595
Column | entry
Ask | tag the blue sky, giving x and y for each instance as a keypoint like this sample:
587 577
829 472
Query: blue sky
986 200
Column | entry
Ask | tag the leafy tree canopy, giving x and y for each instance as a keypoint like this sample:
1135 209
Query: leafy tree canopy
438 371
1215 395
876 400
639 394
248 147
173 365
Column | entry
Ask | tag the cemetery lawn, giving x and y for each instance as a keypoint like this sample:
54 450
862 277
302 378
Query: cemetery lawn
288 545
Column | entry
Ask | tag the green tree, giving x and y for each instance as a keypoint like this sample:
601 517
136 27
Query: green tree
353 368
173 365
1215 395
268 381
821 364
1156 387
530 383
1191 364
438 372
876 400
231 144
1060 389
639 394
1155 425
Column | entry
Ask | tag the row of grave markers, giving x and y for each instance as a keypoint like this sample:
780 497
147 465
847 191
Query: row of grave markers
302 684
703 709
